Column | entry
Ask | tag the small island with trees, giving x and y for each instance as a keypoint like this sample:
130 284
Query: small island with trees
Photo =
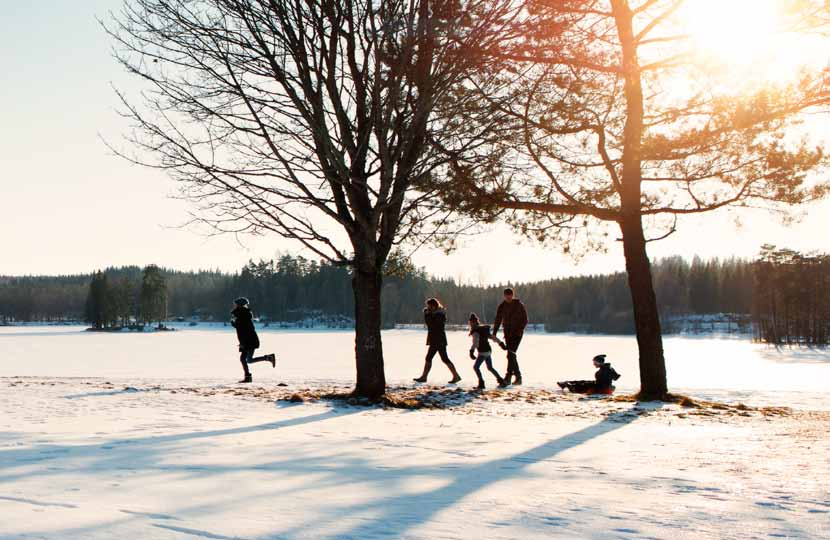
112 306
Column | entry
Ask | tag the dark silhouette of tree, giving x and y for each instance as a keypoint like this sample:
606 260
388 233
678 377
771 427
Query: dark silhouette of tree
153 295
609 124
791 296
309 120
98 302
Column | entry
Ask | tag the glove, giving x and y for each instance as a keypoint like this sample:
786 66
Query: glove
501 344
473 354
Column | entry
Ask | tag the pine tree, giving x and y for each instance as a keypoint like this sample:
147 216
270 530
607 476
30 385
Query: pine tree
153 297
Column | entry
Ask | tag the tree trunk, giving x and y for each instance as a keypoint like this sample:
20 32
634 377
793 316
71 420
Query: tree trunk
371 381
646 316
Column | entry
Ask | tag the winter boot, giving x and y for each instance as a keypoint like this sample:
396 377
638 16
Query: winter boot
421 379
505 381
480 385
562 385
517 381
455 376
247 379
272 358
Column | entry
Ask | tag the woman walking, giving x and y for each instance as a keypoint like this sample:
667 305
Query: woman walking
436 318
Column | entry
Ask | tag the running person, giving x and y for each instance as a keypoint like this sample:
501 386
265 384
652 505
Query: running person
243 320
435 318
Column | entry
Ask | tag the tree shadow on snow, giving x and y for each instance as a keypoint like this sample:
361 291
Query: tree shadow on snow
132 453
461 482
392 515
796 354
374 518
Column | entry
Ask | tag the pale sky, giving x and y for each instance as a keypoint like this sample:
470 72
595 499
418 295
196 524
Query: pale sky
68 206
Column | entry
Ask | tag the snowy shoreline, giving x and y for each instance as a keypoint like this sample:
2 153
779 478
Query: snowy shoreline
516 400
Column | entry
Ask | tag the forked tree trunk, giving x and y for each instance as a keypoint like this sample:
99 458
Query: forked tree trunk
646 316
371 380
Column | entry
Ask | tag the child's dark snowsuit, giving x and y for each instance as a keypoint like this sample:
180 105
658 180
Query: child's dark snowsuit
603 383
481 342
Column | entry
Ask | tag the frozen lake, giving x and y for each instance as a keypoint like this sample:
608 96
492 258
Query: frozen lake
730 369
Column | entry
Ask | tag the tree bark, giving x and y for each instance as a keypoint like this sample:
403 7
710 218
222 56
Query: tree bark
371 381
644 300
646 315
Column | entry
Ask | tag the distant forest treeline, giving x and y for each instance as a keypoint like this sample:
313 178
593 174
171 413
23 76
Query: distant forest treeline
792 297
293 288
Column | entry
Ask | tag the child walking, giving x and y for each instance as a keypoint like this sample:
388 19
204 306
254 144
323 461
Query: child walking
481 342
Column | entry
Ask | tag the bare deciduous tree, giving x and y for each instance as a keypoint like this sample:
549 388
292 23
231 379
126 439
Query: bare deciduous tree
309 119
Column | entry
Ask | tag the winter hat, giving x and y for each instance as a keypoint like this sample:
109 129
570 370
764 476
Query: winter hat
473 317
600 359
241 301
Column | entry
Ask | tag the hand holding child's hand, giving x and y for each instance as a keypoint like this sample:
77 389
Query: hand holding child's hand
473 354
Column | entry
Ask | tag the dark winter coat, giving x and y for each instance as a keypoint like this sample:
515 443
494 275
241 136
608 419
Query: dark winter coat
605 376
243 321
481 338
514 317
435 321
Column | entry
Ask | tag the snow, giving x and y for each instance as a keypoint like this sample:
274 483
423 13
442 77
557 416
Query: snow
145 436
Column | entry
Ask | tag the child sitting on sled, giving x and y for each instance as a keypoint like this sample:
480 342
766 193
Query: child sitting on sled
603 383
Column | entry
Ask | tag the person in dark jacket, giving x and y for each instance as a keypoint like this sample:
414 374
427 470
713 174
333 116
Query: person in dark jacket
512 315
243 320
481 342
603 382
435 318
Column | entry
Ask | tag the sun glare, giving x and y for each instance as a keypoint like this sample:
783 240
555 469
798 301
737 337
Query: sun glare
747 40
734 31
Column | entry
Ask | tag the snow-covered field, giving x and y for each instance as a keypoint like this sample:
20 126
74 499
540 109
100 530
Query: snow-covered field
145 436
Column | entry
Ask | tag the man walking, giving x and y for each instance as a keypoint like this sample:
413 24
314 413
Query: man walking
513 316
